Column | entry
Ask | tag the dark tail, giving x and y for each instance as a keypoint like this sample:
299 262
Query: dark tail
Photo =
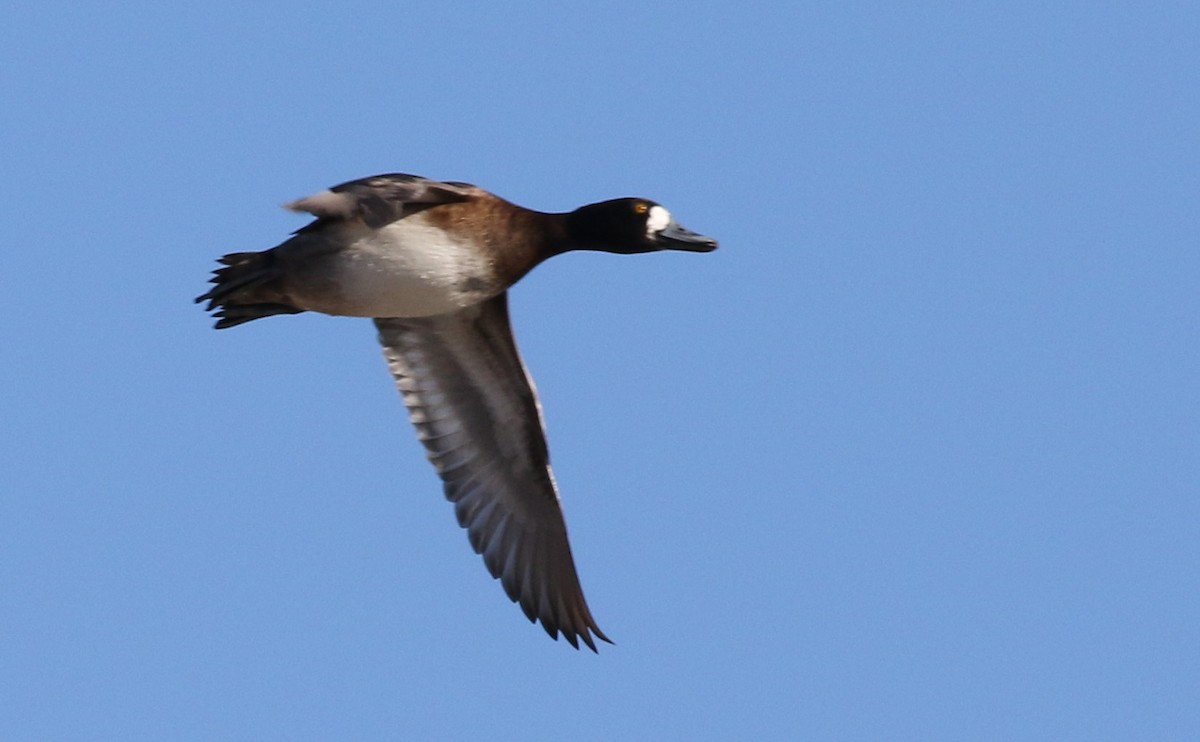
245 289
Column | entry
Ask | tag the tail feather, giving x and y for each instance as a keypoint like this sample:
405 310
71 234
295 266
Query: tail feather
246 289
236 314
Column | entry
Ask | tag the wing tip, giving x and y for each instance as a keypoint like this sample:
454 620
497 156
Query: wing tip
324 203
587 633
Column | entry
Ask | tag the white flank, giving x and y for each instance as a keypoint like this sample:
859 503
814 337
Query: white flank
411 269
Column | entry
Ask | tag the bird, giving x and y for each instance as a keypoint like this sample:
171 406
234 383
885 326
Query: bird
431 263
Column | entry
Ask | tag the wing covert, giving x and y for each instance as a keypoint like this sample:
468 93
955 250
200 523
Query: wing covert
382 199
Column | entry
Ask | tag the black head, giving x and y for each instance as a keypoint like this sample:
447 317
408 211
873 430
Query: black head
632 225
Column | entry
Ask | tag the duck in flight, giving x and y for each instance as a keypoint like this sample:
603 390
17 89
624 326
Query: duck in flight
431 262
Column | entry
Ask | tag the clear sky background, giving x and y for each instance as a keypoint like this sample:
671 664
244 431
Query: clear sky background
912 456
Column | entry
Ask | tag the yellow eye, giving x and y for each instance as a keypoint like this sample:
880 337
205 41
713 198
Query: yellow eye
641 207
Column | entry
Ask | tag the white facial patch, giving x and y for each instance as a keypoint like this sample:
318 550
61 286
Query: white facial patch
657 220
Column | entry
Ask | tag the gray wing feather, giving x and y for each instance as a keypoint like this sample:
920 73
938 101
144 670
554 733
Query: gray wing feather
477 413
382 199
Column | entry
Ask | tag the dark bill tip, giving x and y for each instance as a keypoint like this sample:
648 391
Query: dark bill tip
678 237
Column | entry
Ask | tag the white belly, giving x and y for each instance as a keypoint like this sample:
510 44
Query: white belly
409 269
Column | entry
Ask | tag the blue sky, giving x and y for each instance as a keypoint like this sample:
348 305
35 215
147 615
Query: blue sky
912 456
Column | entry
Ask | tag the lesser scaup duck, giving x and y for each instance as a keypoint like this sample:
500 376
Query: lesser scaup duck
431 263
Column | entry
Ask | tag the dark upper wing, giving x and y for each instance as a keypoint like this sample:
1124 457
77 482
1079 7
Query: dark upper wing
382 199
477 413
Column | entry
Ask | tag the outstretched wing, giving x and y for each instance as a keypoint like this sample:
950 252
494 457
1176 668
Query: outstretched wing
477 413
382 199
